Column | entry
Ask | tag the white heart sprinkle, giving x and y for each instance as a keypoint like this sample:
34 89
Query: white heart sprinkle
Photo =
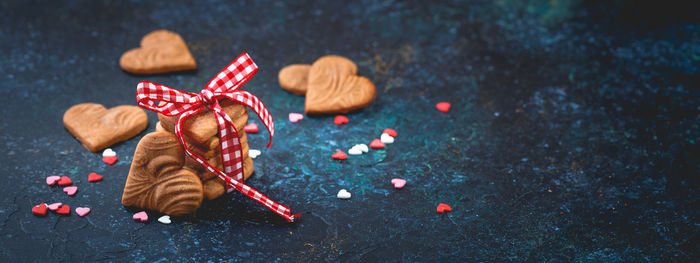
344 194
164 219
354 151
362 147
108 152
386 138
253 153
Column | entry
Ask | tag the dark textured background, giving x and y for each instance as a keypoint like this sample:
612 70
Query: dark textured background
573 133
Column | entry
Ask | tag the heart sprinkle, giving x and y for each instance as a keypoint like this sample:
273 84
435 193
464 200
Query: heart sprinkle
340 119
363 147
39 210
358 149
164 219
443 208
70 190
82 211
54 206
344 194
109 159
386 138
443 106
295 117
339 155
251 128
376 144
65 181
141 216
51 180
398 183
354 151
93 177
391 132
108 152
63 210
253 153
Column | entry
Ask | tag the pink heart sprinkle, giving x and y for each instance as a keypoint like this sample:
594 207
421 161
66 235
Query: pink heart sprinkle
54 206
70 190
398 183
141 216
51 180
295 117
82 211
251 128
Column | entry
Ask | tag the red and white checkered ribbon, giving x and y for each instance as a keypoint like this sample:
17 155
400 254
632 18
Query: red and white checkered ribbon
224 85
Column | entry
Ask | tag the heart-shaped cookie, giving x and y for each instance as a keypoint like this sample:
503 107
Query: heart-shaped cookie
293 78
334 87
161 51
97 127
157 179
201 131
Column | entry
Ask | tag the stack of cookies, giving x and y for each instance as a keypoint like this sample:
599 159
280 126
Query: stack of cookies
164 178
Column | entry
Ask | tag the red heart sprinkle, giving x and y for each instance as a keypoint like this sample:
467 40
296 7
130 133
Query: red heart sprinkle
93 177
376 144
340 119
391 132
65 181
39 210
443 208
443 106
339 155
109 159
251 128
64 210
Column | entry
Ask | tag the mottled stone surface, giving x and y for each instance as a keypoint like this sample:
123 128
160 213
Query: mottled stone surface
572 136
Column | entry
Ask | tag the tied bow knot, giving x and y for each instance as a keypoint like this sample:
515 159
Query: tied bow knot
185 104
207 98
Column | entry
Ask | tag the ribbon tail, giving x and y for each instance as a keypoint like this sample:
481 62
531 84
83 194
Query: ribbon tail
281 210
233 164
255 104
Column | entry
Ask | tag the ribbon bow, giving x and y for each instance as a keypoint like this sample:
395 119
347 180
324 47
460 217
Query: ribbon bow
224 85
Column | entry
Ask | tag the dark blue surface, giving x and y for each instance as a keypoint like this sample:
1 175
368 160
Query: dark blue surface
572 136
